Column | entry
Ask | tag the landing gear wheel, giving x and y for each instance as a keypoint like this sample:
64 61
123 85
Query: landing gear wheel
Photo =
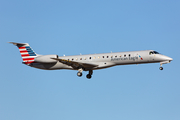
88 76
161 68
79 74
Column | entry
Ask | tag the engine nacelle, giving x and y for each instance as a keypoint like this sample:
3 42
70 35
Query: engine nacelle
46 59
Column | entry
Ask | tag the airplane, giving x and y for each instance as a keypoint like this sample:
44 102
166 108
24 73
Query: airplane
88 62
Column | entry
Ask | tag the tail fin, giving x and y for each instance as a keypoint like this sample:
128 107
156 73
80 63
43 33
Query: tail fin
26 52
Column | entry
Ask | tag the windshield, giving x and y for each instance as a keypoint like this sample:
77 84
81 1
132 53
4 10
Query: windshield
153 52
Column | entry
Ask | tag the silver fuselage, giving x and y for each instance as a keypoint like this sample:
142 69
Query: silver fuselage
106 60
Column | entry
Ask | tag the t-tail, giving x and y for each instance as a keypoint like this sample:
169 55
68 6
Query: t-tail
27 53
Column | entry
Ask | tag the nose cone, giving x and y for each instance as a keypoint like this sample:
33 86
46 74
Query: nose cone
166 58
170 59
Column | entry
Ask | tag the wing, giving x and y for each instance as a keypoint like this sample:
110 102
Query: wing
75 65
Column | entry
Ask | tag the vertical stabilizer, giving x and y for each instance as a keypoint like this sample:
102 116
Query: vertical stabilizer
26 52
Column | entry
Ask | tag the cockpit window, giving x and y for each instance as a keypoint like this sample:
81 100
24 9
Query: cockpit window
153 52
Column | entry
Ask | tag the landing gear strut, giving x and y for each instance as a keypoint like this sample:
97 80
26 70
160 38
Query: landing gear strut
161 68
90 74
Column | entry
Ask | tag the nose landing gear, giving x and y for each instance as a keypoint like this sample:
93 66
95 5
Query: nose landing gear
161 68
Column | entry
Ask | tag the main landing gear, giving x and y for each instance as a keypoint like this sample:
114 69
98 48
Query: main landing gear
89 75
79 74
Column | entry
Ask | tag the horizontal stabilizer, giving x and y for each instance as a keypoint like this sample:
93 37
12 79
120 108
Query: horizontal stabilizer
17 43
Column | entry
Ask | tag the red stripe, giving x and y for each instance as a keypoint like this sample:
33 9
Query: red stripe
22 47
25 55
26 59
23 51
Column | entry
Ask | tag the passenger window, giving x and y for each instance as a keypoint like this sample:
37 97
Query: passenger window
89 57
102 56
72 59
124 55
111 56
80 58
116 56
119 55
129 55
107 56
84 58
94 57
98 57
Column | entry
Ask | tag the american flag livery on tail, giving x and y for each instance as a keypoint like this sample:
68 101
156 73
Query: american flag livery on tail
26 52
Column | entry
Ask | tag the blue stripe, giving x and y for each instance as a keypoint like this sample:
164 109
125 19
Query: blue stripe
32 54
28 48
30 51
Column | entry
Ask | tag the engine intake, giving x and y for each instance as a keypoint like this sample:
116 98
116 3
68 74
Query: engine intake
46 59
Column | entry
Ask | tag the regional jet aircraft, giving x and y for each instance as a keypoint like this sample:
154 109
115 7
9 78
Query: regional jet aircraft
89 62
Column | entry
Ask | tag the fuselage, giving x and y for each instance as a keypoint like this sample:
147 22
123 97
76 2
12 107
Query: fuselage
106 60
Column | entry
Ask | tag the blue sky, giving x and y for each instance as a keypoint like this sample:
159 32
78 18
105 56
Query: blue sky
138 92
